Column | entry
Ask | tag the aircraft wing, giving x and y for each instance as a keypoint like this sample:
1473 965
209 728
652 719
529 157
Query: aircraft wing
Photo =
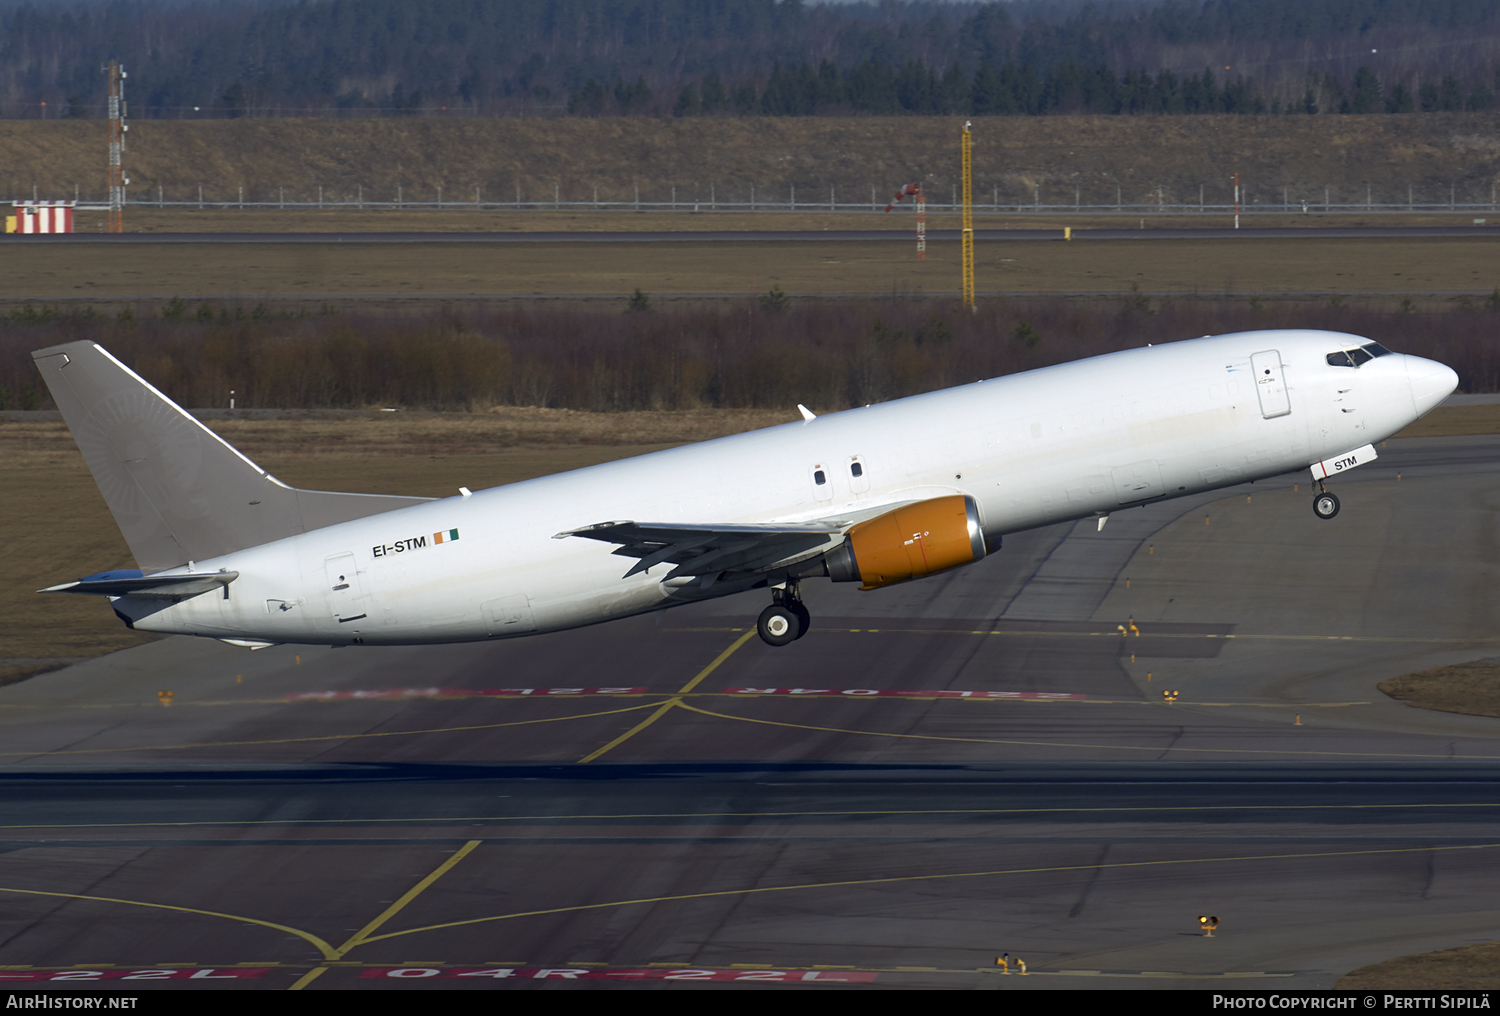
700 550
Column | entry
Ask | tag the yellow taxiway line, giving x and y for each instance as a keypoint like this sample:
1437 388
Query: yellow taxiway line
888 880
1098 747
674 701
362 935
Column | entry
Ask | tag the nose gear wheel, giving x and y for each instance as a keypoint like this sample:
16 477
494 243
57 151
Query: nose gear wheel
1325 504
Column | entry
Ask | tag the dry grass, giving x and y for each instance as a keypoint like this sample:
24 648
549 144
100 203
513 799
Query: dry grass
55 526
377 433
1053 157
1472 688
1456 421
1472 967
149 219
250 272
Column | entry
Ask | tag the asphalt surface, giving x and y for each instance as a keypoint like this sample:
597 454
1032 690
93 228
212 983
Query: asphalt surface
665 799
767 236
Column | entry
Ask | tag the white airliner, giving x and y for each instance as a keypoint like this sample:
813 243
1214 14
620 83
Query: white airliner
876 495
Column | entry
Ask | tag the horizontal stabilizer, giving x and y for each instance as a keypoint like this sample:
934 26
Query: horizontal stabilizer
177 490
133 583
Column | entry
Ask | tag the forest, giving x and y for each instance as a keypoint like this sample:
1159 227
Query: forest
258 58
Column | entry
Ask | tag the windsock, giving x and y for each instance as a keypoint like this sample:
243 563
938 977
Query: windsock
904 192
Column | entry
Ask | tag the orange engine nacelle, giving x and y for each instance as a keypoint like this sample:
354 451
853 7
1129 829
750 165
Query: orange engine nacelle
910 542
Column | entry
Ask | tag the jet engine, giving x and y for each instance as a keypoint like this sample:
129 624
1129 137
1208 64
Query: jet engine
909 542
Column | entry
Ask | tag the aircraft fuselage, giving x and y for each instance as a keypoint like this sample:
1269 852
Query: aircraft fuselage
1065 442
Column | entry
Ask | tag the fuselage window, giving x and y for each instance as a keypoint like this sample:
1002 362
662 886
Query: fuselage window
1359 356
855 469
819 477
1340 359
1375 349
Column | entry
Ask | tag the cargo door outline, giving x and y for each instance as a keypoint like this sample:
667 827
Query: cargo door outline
821 478
508 615
859 475
346 597
1270 384
1138 481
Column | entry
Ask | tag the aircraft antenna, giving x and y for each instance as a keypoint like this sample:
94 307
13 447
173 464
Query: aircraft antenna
968 224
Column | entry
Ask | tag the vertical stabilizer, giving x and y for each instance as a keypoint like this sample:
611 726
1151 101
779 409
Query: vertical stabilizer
178 491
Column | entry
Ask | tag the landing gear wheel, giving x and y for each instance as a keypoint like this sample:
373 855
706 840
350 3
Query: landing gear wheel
804 618
778 626
1325 505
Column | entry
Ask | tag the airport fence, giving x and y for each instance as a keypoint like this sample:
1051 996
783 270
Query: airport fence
1290 200
805 207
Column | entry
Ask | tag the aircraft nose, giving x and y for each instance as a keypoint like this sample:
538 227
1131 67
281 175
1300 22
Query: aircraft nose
1431 382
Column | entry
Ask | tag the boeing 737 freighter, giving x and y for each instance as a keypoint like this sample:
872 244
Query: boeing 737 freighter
877 495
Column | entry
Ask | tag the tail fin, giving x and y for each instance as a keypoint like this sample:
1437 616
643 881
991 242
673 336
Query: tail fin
178 491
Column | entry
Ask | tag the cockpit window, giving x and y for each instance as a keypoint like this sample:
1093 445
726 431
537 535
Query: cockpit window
1357 356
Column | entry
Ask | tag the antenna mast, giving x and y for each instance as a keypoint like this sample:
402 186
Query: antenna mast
968 225
117 130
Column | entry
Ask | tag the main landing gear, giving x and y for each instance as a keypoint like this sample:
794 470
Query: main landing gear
786 620
1325 503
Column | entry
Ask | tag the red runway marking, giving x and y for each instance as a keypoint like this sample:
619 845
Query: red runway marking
626 974
144 974
876 693
403 693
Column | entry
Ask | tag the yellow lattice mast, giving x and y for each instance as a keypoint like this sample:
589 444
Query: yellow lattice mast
968 219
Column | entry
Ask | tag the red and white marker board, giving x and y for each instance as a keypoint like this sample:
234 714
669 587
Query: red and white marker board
44 216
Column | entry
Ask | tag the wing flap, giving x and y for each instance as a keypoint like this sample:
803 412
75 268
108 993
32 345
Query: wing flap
695 549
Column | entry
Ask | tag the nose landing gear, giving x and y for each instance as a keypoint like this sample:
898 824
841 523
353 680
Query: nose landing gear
1325 503
786 620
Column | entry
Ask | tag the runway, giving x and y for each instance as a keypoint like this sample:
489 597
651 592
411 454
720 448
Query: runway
939 773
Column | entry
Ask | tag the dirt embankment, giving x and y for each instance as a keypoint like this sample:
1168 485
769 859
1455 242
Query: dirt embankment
1472 688
1017 160
1467 968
